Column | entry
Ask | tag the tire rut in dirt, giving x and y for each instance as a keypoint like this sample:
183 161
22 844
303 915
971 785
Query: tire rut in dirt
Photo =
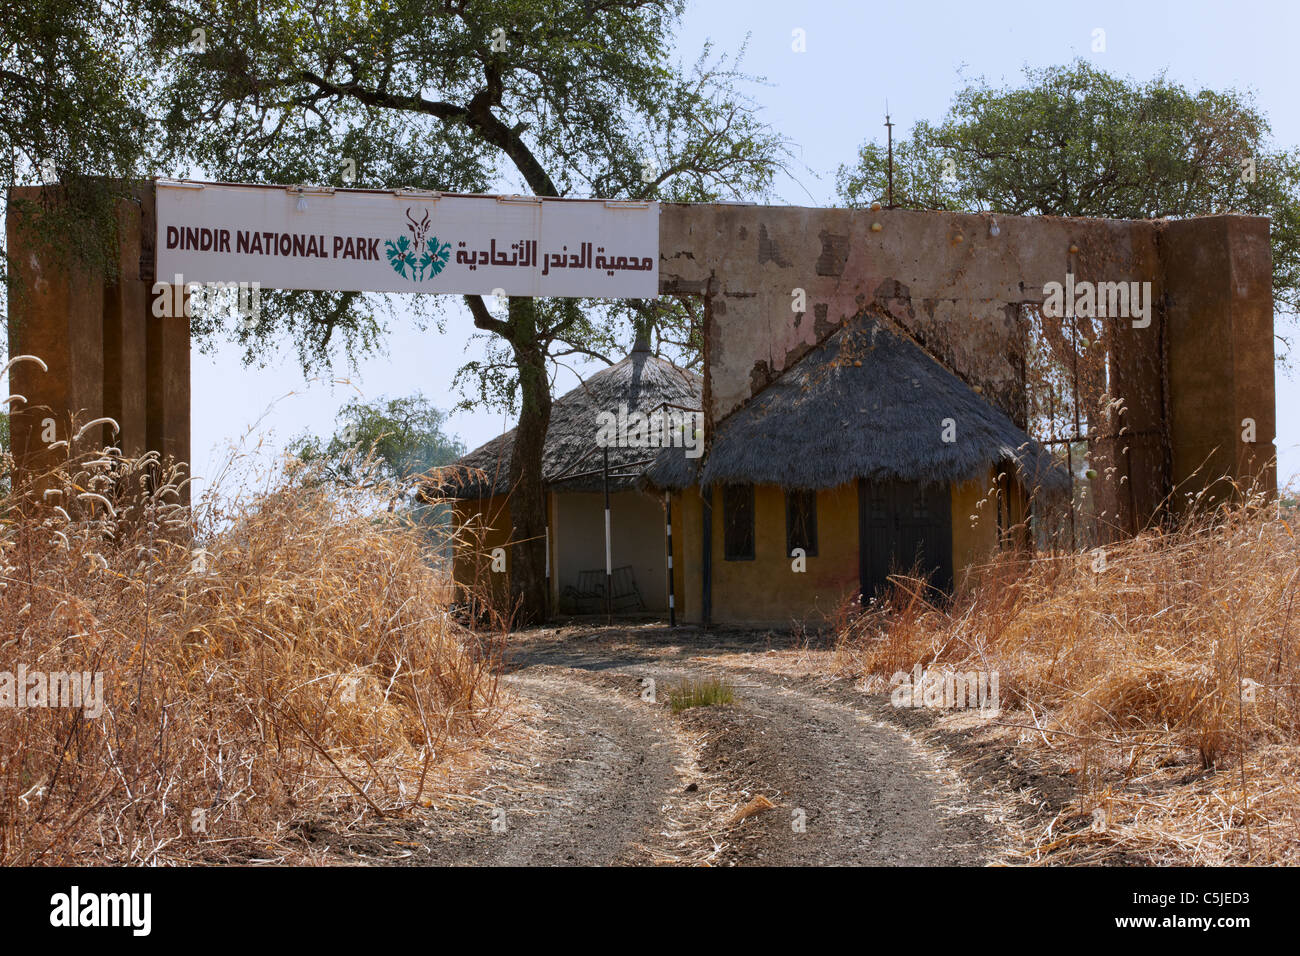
596 792
866 792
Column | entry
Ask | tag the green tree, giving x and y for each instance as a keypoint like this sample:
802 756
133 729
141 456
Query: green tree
386 445
1077 141
555 97
73 78
402 438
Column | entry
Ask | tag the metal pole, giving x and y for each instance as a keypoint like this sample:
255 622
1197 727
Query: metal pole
668 534
1074 398
889 127
609 563
706 557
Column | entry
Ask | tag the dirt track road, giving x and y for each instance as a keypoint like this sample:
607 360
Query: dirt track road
614 778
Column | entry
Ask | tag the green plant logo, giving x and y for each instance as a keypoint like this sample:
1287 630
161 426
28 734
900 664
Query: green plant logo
419 256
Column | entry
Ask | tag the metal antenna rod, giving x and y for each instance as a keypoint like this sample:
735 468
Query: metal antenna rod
889 128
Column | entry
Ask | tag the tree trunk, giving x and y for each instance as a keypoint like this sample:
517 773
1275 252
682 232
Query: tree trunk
528 590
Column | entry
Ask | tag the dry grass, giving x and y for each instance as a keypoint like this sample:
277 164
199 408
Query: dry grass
282 664
1128 675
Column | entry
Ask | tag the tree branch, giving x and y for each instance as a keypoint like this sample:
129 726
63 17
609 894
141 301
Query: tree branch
483 319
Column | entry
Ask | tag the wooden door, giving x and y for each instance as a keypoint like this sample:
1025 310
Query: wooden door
901 524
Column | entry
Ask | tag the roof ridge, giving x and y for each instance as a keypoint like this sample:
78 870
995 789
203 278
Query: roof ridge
824 341
844 415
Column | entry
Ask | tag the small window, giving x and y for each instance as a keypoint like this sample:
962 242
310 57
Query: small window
879 503
801 521
738 522
920 506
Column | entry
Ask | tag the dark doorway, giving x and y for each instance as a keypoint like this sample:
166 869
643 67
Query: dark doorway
903 523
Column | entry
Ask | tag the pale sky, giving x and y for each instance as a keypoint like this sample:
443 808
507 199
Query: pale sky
827 101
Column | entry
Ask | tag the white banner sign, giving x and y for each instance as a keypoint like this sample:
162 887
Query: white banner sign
393 242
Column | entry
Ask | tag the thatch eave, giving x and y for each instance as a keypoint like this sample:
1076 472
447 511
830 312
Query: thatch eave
572 460
865 403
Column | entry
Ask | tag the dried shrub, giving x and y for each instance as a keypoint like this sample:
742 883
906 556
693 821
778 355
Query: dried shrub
284 658
1179 641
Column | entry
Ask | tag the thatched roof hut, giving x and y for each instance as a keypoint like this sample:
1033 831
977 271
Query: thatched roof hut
865 403
572 459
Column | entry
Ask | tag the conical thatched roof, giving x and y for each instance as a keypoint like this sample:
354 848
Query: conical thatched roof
641 381
867 402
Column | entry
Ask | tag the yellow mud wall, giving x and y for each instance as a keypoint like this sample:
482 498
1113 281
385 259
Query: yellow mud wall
767 589
688 525
974 528
483 524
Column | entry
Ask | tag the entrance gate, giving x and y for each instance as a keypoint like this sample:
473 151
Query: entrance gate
1188 389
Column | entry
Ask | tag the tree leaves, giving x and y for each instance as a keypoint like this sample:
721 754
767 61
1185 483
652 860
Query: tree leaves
73 81
405 436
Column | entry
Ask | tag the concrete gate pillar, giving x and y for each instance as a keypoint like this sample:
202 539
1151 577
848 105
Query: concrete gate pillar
1219 281
107 354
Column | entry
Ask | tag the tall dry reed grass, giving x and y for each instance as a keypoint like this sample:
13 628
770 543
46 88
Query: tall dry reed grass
267 663
1164 670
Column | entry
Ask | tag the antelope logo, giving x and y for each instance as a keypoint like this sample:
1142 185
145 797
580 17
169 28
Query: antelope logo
418 229
419 256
